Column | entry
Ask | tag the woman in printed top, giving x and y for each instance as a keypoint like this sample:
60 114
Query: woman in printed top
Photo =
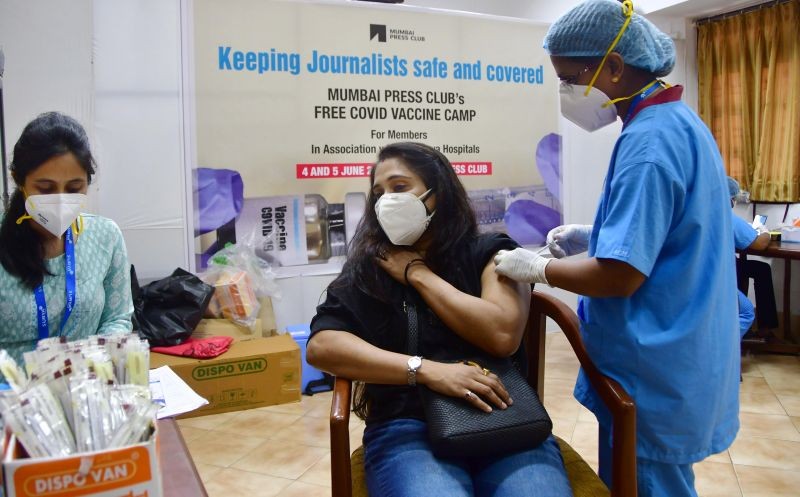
62 272
418 246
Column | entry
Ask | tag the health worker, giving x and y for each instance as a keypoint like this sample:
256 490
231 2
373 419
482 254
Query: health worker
62 272
658 306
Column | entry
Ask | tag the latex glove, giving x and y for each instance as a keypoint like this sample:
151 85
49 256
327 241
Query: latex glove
569 239
521 265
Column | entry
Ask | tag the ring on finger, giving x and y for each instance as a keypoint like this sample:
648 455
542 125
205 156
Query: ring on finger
480 368
469 395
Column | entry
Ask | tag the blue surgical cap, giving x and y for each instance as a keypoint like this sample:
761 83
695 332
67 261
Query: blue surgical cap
589 29
733 186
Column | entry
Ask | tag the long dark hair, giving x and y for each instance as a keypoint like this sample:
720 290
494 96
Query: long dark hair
49 135
453 222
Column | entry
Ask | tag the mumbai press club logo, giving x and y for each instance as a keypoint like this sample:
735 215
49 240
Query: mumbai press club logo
377 31
383 34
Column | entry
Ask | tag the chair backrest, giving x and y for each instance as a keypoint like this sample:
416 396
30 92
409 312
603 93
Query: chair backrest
542 306
616 399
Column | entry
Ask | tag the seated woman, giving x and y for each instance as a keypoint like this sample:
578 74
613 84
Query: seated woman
418 248
62 273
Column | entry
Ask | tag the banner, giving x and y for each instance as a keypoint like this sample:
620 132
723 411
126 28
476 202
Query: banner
293 101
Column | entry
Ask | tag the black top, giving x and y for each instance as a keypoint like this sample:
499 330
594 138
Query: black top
384 324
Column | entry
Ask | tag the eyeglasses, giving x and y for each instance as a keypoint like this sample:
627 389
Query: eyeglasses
573 79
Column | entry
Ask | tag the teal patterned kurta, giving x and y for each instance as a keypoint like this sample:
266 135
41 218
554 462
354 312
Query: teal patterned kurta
103 303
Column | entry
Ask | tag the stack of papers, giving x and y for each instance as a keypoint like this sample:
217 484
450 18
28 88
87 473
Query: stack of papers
172 393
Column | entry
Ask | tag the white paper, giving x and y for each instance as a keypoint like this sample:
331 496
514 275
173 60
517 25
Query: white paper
172 393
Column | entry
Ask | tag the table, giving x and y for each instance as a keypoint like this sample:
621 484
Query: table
179 477
788 252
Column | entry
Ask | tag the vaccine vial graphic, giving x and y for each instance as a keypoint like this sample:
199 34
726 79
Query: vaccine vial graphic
294 230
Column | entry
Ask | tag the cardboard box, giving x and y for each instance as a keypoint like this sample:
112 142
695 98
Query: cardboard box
252 373
128 472
222 327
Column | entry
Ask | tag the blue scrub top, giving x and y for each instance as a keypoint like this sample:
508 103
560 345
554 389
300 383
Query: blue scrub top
743 233
673 344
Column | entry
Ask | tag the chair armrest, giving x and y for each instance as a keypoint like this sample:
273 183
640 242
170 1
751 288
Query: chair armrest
613 395
341 485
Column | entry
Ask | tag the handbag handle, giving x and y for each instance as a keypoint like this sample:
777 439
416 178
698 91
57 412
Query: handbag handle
413 328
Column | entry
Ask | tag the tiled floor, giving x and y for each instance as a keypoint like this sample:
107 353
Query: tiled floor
284 450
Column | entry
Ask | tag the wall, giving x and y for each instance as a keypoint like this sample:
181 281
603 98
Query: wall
138 123
47 67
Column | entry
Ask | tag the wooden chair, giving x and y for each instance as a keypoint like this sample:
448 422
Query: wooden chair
347 472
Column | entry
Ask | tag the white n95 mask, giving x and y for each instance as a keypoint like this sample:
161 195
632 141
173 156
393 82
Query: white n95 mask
591 112
56 211
403 216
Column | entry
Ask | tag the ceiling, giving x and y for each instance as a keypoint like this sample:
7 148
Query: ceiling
549 10
694 8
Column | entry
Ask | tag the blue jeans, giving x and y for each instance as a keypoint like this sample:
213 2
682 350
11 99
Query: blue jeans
654 479
399 463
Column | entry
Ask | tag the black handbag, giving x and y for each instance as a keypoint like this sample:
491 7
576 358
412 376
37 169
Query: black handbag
457 429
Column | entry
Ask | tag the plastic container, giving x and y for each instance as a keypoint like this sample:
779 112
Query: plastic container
312 380
790 234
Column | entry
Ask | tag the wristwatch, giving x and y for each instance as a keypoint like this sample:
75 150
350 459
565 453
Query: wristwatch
414 363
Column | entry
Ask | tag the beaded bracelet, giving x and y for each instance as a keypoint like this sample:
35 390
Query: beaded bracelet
408 265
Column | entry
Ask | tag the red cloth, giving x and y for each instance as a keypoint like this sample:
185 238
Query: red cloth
205 348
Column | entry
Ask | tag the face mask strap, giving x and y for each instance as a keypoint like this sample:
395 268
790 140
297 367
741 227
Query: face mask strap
646 87
24 216
620 99
77 226
627 11
422 198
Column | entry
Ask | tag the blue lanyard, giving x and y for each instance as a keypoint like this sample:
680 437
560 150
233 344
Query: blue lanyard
69 273
638 99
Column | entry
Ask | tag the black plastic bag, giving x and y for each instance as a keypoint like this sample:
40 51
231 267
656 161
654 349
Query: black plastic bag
166 312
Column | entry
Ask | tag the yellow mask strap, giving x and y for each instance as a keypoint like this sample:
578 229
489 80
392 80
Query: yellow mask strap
627 11
646 87
77 226
24 216
620 99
